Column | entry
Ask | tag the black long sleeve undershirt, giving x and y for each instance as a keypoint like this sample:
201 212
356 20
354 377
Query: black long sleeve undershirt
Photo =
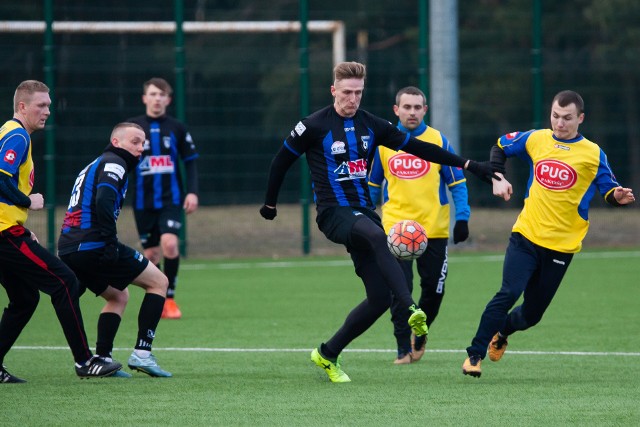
280 164
498 159
9 190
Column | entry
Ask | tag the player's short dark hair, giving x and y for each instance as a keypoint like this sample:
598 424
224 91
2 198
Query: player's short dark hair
25 90
349 70
568 97
158 82
125 125
411 90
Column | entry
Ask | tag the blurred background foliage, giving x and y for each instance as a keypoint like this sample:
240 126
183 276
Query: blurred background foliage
243 90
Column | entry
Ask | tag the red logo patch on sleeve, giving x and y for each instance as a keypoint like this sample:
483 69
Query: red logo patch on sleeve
10 157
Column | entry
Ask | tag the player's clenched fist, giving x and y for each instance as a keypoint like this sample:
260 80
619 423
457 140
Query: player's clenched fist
37 201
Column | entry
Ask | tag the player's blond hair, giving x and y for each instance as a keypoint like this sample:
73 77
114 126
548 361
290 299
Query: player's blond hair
349 70
25 91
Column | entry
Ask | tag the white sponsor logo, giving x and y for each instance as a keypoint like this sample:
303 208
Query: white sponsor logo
557 261
174 224
300 128
338 148
115 168
156 165
562 147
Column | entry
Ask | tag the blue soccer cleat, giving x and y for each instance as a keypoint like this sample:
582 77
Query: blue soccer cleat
147 365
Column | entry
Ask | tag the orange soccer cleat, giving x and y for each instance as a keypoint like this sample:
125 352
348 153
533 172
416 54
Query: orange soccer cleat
171 309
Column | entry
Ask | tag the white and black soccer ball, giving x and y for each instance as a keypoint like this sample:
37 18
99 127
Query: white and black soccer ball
407 240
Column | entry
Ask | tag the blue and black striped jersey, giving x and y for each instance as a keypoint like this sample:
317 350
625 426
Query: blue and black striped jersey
85 225
157 181
339 151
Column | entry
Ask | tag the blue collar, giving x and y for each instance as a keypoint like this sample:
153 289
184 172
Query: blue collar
568 141
416 132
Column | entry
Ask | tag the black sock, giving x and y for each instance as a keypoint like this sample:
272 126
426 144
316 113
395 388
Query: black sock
327 354
108 324
148 319
171 271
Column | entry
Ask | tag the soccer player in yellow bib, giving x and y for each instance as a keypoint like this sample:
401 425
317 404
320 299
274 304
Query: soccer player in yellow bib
566 169
416 189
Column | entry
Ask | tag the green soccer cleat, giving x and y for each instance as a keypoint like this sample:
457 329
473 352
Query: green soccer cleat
336 375
418 321
147 365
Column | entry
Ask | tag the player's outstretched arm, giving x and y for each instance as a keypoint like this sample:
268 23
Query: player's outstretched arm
436 154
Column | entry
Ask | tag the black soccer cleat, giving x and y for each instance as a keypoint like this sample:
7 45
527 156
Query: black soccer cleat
97 367
6 377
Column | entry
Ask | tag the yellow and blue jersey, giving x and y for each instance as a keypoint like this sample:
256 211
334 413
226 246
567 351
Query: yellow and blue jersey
563 178
16 162
418 188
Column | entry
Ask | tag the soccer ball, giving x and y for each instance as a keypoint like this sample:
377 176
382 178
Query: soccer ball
407 240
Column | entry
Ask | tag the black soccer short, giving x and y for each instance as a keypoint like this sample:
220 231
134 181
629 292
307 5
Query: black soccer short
152 223
337 222
96 276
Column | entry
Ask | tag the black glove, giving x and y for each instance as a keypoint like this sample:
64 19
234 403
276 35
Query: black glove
482 170
268 213
110 254
460 231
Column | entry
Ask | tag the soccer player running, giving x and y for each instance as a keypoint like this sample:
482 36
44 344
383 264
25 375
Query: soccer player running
338 141
565 170
26 268
158 184
417 190
89 245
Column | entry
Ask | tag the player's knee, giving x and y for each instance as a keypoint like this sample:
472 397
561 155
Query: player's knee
161 284
120 298
170 245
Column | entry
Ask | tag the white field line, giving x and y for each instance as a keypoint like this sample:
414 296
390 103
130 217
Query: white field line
344 263
355 350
